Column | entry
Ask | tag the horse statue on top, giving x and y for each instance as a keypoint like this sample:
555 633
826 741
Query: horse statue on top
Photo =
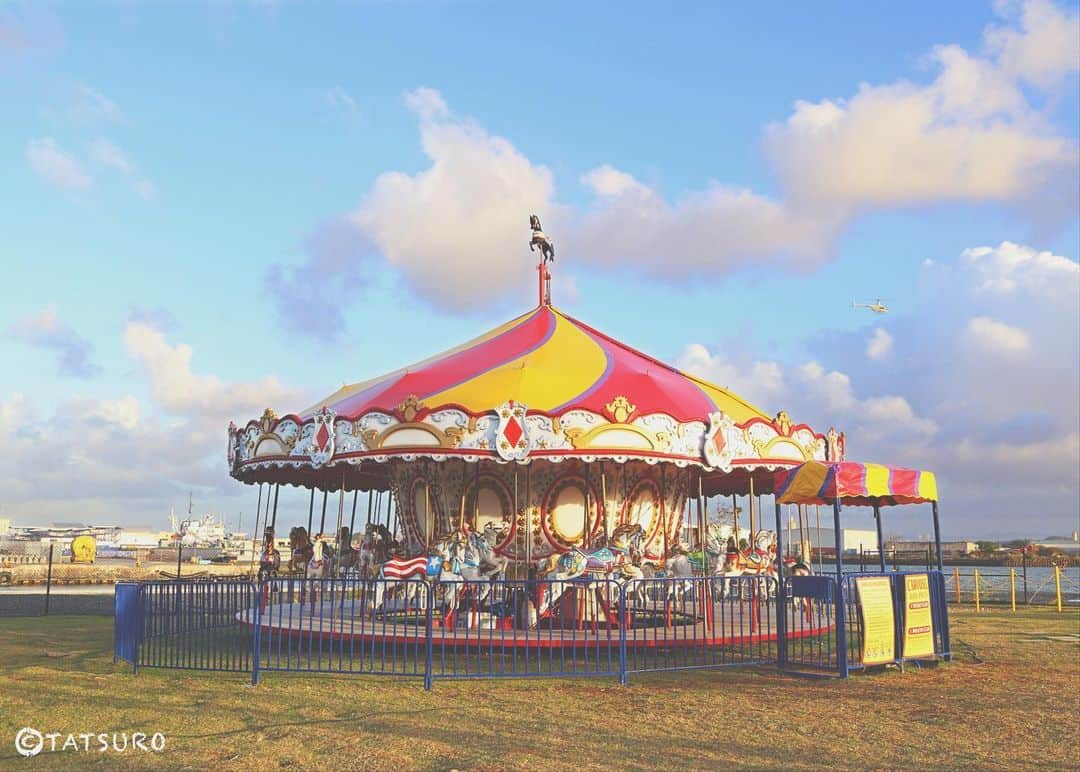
540 241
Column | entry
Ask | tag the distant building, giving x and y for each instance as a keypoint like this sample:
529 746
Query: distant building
949 549
5 526
853 539
1064 545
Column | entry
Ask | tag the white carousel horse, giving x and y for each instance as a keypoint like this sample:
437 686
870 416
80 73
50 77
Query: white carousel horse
439 564
318 567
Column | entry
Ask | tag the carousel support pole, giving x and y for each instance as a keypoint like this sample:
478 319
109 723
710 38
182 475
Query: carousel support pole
427 514
514 522
585 514
310 510
702 515
464 474
340 521
781 595
663 515
604 502
841 610
370 498
273 522
254 535
352 520
880 540
750 539
322 522
528 522
817 536
476 498
735 517
937 536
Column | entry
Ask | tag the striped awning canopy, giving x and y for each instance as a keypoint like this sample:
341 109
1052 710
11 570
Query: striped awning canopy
549 361
853 483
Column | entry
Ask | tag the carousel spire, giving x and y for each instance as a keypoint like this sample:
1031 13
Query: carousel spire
546 247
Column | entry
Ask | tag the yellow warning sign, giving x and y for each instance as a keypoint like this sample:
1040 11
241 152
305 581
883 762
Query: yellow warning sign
918 621
878 619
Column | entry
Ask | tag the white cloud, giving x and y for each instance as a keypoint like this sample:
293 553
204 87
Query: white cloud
1044 49
177 390
90 106
108 154
45 330
997 337
56 166
716 230
460 218
880 345
977 131
122 459
1008 267
340 99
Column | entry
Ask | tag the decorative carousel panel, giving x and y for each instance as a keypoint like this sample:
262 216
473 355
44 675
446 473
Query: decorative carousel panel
494 503
642 508
565 519
424 510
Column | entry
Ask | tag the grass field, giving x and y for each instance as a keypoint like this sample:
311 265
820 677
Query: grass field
1019 708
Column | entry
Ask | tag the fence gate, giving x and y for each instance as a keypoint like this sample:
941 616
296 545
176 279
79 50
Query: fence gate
813 613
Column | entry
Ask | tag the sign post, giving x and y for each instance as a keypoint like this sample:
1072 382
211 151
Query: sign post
878 619
918 620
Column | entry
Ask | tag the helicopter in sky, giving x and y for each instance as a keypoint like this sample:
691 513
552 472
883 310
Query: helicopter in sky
877 306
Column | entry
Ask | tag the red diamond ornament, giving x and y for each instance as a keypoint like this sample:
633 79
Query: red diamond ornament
512 432
322 437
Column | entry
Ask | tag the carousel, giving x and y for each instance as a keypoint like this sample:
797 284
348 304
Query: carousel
550 449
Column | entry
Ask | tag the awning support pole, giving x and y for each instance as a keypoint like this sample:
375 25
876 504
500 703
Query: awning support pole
880 541
781 595
937 536
841 609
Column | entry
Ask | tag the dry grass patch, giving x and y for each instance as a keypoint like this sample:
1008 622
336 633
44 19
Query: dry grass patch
1019 709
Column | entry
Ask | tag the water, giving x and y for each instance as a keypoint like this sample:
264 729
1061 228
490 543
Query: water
993 581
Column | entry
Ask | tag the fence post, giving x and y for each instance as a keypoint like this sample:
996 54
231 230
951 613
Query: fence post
1057 586
1023 563
256 639
1012 588
48 579
624 678
956 579
428 650
977 606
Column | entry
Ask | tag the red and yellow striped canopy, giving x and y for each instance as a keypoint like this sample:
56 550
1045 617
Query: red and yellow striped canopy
853 483
550 362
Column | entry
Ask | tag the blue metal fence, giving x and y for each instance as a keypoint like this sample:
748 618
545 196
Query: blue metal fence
496 629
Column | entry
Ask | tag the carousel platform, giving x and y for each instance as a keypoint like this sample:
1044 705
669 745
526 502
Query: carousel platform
574 624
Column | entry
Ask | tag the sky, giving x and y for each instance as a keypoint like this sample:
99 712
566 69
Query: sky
211 208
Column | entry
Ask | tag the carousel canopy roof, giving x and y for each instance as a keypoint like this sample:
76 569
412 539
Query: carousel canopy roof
548 361
822 482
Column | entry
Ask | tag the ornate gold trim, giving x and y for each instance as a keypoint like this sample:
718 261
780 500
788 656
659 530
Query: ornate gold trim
450 438
620 409
580 438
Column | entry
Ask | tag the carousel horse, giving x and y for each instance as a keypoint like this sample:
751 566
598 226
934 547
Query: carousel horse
439 564
270 560
318 567
348 557
617 561
302 550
